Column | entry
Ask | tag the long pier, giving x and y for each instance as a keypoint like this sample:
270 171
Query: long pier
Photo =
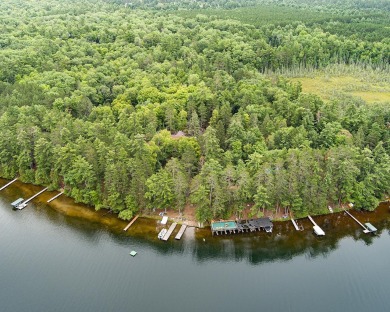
131 223
365 229
316 228
181 231
24 204
170 230
53 198
9 183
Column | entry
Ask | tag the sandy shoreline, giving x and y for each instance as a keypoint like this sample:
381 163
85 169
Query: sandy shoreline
69 207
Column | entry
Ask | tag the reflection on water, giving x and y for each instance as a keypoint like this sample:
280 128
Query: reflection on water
67 257
283 244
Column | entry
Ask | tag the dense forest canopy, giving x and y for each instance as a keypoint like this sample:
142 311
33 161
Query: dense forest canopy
334 5
131 109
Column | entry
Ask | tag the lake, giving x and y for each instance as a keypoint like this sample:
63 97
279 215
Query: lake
66 257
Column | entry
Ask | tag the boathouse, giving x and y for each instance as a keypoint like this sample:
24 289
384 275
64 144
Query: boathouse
224 227
241 226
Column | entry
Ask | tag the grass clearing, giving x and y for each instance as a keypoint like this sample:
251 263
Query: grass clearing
328 87
368 85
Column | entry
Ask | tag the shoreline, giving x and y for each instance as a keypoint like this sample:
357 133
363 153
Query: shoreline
103 215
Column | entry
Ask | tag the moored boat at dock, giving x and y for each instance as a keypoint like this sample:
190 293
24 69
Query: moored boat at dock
162 233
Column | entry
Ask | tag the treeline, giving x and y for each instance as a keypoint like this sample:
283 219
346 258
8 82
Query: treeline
363 24
345 6
90 101
43 44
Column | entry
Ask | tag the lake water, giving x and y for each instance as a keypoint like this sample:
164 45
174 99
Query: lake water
66 257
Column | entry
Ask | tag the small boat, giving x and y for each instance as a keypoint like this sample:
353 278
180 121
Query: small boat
330 209
162 233
21 206
17 202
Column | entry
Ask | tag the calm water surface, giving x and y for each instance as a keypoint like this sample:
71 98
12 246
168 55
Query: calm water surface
68 258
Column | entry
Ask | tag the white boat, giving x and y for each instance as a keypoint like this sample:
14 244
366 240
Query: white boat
162 233
318 230
21 206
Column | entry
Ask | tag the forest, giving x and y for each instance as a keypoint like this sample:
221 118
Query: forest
178 105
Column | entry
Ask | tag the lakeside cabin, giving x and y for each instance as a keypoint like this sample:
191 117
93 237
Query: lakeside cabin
241 226
17 202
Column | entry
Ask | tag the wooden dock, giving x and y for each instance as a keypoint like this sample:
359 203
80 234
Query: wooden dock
366 229
295 224
316 228
181 231
9 183
170 230
53 198
24 204
131 223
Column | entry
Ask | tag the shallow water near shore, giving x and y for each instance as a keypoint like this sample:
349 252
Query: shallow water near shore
67 257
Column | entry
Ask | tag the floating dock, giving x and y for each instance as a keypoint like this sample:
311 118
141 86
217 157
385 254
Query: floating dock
367 227
24 204
316 228
242 226
170 230
9 183
53 198
132 253
131 223
181 231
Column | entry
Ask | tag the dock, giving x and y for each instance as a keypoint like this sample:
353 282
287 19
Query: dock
170 230
181 231
241 226
316 228
17 202
24 204
370 227
9 183
295 224
367 228
131 223
53 198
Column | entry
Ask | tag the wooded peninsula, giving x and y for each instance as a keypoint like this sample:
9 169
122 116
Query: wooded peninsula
203 105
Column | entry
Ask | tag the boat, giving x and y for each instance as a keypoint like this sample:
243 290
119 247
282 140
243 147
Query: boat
17 202
21 206
162 233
